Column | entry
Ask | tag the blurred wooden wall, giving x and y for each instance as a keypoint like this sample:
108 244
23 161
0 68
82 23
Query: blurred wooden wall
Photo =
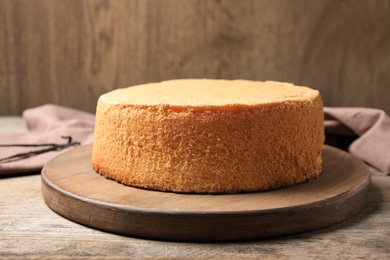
69 52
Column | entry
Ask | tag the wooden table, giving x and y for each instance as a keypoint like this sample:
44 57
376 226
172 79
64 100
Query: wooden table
29 229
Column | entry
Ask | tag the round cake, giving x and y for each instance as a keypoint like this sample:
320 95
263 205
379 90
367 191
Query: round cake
209 136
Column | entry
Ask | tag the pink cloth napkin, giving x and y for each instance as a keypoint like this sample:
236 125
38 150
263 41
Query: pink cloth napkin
45 124
366 130
371 127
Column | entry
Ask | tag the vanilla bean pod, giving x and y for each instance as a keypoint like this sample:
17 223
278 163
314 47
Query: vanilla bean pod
50 147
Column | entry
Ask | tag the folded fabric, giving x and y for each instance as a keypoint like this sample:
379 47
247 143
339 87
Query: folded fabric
58 127
370 126
366 132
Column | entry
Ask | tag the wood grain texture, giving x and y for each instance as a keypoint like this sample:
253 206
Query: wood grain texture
29 229
74 190
70 52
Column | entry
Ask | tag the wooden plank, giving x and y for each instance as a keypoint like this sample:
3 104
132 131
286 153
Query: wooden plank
72 51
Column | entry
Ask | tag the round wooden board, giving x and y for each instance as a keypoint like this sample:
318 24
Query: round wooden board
74 190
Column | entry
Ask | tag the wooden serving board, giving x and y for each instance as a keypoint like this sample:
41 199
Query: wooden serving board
74 190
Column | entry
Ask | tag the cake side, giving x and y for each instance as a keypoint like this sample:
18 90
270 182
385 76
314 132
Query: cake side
210 149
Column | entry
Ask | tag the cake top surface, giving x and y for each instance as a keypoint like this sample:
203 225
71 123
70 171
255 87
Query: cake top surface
209 92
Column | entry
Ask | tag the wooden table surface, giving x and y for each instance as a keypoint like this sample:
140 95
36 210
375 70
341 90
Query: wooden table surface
70 52
29 229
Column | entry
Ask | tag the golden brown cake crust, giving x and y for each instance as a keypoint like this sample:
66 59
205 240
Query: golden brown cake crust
210 147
